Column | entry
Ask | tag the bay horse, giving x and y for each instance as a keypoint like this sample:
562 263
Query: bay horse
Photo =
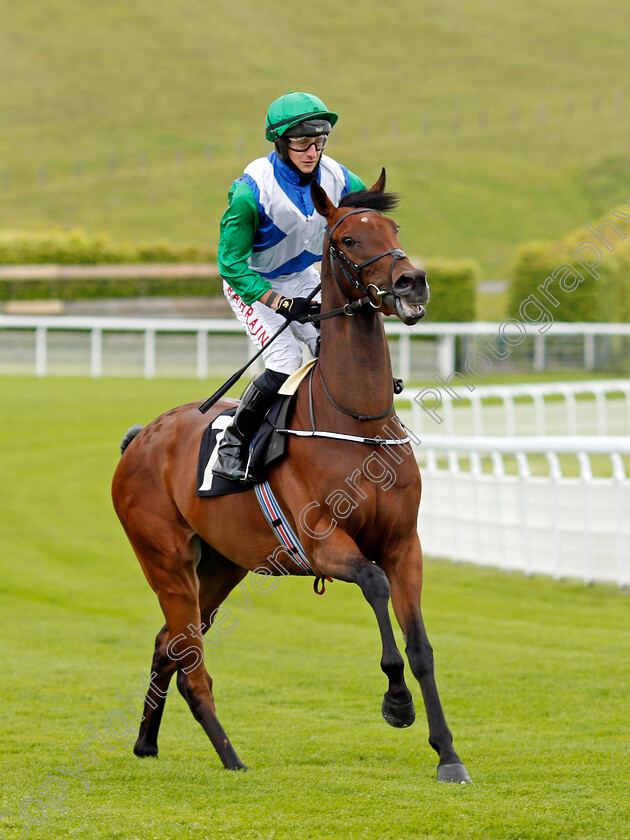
195 550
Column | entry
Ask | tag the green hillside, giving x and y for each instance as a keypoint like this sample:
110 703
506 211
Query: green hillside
497 122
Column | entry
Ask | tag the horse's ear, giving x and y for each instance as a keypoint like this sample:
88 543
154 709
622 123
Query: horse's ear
379 186
321 202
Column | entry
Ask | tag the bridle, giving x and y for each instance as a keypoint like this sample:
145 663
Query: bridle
353 272
339 260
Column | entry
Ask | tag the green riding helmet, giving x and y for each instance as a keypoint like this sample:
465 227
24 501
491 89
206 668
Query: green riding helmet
298 109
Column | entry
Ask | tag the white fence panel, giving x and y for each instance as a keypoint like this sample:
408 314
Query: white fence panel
594 407
436 355
553 524
148 347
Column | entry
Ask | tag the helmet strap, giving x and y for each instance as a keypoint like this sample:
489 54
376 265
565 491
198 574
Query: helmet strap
282 151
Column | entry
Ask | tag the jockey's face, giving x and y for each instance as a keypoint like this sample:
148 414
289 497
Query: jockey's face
305 161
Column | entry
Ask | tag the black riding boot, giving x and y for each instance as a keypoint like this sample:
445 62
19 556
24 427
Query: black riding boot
234 449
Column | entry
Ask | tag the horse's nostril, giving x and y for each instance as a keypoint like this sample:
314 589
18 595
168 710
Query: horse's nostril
411 282
403 284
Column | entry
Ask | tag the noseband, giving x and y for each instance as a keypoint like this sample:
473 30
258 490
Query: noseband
339 260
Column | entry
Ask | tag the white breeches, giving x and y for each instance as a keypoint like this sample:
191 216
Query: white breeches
284 355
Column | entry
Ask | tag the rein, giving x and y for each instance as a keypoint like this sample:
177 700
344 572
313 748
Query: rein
347 309
313 432
353 413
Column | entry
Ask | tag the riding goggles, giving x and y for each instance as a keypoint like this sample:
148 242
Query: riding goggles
303 144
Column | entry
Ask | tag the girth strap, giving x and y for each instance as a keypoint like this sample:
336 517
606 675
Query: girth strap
286 535
279 524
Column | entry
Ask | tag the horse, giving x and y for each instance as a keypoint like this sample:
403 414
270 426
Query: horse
194 550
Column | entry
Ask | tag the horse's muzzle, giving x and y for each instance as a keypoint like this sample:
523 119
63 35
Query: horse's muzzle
412 286
411 292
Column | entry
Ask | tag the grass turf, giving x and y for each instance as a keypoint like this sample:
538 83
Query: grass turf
533 675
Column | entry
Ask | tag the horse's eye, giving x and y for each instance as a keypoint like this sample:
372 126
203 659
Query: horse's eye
347 241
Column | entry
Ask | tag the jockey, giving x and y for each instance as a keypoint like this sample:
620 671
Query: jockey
270 238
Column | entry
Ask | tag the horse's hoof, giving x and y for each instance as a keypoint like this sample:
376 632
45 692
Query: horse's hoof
239 766
399 715
455 773
145 750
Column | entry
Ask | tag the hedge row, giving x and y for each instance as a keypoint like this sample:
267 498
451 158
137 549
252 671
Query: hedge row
98 289
561 270
77 247
453 283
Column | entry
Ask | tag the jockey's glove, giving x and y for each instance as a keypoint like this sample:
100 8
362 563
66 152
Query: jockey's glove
297 309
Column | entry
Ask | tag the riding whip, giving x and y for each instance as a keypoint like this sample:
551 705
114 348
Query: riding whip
207 405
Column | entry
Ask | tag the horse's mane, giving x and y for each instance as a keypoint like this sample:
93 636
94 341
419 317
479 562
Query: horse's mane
383 202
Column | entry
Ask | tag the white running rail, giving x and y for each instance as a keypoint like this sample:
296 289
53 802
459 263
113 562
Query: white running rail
557 505
440 351
594 407
485 499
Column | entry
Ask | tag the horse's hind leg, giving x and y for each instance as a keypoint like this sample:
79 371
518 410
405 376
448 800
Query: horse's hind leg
166 549
162 669
405 574
217 577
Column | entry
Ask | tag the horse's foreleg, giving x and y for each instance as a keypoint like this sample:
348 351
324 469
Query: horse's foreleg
405 576
345 563
398 709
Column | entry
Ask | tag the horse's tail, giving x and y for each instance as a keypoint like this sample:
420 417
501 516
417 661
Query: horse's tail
130 434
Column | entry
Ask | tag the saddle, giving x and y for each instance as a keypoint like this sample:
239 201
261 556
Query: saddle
268 447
